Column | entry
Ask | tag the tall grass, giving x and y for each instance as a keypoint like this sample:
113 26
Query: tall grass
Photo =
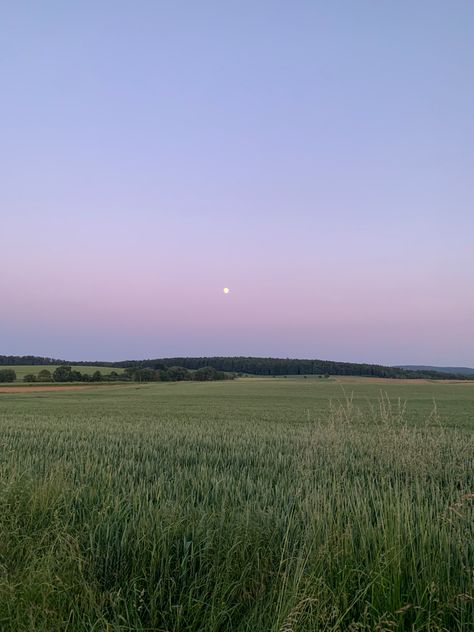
358 520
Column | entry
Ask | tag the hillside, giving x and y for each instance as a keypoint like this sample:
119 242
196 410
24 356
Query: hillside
287 366
455 370
30 360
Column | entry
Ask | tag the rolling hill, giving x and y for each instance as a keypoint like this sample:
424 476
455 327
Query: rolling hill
454 370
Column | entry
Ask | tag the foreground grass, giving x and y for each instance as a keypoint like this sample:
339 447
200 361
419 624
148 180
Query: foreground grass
253 505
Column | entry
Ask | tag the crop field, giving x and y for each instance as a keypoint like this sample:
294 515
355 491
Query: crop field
257 505
23 370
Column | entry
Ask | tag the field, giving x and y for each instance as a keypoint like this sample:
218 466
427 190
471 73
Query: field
23 370
257 505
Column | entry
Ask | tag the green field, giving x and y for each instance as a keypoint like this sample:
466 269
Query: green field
23 370
259 505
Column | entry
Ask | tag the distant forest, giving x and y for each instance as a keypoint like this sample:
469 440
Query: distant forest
250 366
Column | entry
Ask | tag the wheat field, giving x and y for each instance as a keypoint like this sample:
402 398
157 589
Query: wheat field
256 505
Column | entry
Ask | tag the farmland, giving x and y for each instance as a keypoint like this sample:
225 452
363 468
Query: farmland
273 505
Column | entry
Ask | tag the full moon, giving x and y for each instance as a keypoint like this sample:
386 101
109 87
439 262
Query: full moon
226 290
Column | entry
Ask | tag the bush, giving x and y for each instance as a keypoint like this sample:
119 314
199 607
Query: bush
7 375
178 374
44 376
97 377
208 373
29 378
145 375
63 374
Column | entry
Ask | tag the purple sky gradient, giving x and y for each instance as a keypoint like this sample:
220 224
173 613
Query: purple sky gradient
315 157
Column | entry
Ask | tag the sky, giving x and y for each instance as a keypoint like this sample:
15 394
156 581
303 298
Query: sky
316 158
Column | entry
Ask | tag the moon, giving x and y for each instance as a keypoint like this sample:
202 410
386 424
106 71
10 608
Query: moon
226 290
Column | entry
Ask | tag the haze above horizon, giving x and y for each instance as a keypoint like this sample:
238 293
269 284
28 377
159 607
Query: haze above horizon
315 158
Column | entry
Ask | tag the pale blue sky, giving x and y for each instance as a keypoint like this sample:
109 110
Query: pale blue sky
316 157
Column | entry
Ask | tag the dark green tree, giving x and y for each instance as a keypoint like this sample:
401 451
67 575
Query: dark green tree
63 374
178 374
145 375
208 373
44 376
7 375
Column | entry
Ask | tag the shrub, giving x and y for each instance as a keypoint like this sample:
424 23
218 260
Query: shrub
145 375
44 376
208 373
7 375
97 377
178 374
63 374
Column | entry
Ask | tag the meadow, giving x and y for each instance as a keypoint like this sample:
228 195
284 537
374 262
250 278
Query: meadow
259 505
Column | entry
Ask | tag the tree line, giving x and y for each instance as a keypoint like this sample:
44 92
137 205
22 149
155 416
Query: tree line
30 360
65 373
280 366
250 366
159 372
